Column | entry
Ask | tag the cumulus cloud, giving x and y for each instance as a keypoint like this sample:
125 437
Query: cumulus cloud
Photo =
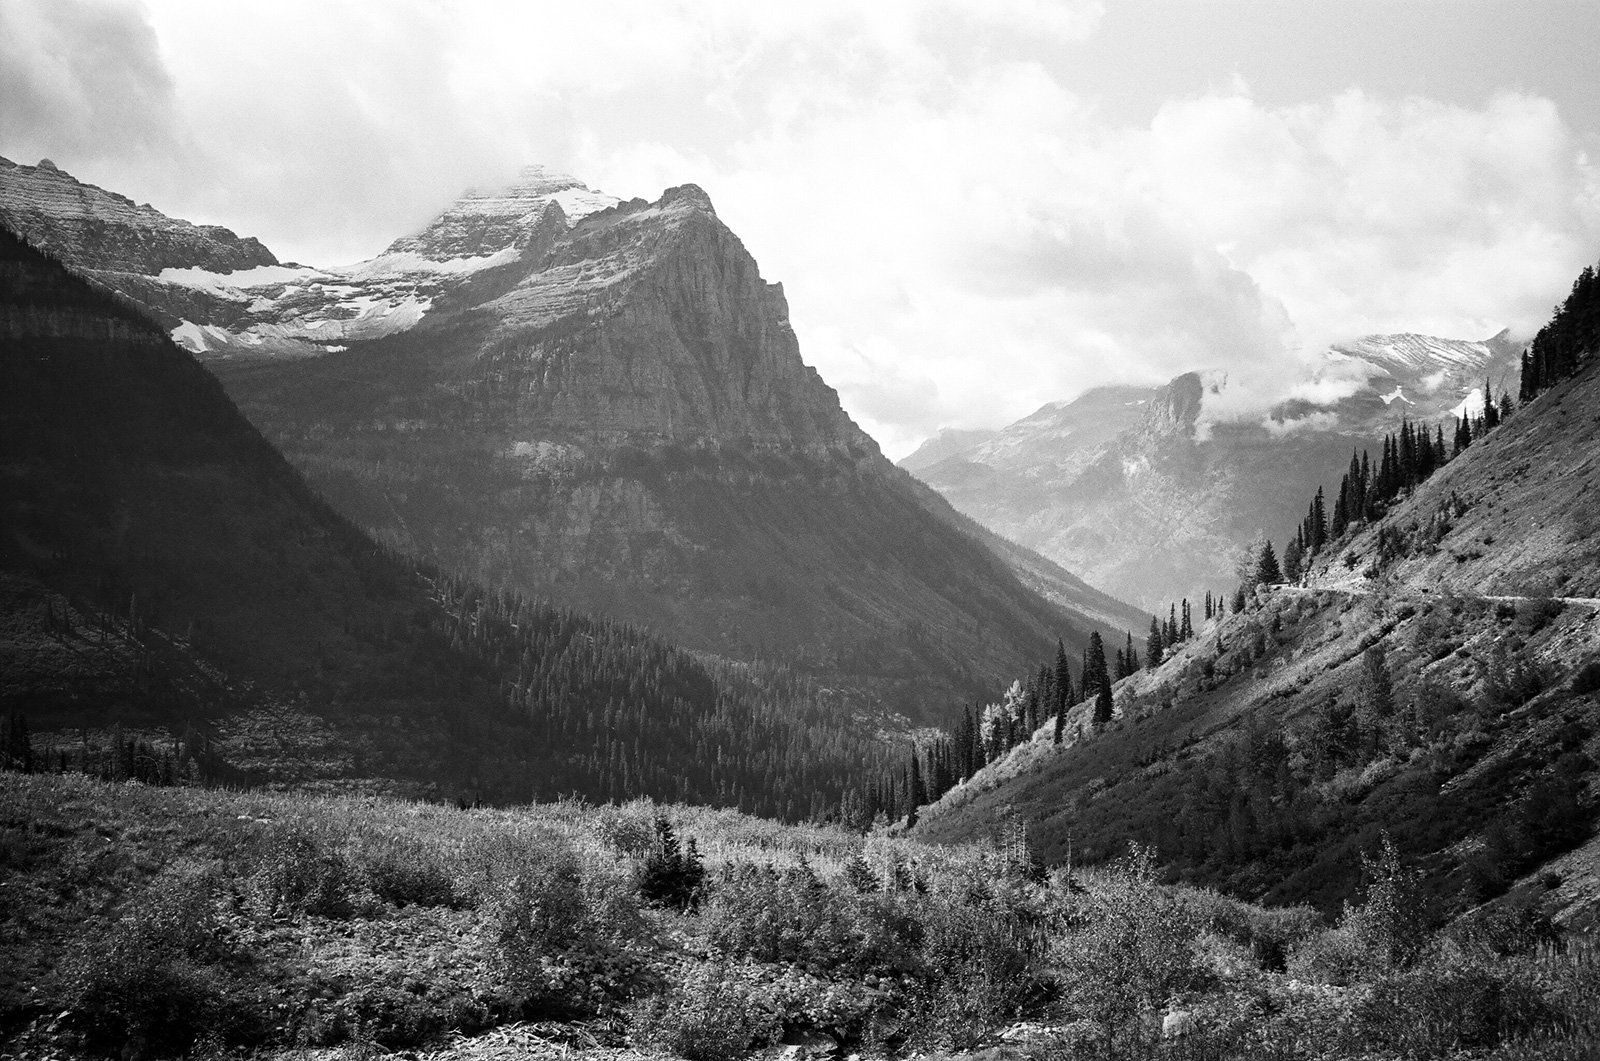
963 234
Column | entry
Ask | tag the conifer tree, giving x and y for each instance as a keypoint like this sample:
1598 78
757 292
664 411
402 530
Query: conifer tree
1267 570
1095 674
1132 656
1292 554
1063 680
1154 645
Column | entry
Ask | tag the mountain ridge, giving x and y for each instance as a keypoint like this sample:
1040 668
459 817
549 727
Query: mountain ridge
1192 488
611 411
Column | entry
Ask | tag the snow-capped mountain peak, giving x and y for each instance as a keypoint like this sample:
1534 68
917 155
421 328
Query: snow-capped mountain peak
484 221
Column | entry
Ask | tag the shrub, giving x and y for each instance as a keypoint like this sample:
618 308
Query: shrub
405 872
1441 1009
712 1014
756 912
299 870
1134 947
564 941
151 979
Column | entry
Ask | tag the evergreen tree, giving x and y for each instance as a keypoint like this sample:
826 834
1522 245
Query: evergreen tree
1292 554
1154 645
1063 681
1095 674
1238 600
1132 656
1267 570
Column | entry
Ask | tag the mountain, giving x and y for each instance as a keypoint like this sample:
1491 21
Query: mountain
1433 676
1151 497
174 598
602 403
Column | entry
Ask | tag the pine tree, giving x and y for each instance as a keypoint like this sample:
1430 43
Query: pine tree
1291 559
1132 656
1096 674
1154 645
1267 571
1063 681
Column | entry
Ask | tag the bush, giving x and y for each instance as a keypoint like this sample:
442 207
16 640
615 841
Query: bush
565 942
1133 949
299 870
1438 1010
756 912
712 1014
405 872
151 979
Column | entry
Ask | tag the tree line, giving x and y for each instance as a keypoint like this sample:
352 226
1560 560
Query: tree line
1567 340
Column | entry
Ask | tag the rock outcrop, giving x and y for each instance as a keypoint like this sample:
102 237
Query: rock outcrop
104 232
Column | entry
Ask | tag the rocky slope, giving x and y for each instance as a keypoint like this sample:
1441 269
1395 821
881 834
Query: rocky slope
1150 497
1432 677
603 403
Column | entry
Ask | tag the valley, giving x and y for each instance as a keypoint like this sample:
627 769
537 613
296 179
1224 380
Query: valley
510 643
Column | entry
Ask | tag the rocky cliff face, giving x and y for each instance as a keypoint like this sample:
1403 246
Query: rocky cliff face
688 345
106 232
1151 499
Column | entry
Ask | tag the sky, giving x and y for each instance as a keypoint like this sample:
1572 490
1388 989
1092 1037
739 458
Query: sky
974 206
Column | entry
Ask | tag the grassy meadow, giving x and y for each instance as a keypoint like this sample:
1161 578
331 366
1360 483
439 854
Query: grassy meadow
145 922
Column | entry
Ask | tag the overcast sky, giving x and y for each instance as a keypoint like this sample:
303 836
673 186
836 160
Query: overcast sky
975 206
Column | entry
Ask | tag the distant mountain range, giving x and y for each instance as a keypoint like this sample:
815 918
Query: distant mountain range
1151 497
596 402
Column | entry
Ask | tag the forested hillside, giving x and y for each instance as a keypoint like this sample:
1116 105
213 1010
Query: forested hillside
171 585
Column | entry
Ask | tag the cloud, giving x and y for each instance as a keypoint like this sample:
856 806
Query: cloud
84 79
962 232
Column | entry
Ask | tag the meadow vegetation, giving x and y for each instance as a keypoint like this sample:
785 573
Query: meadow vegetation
143 922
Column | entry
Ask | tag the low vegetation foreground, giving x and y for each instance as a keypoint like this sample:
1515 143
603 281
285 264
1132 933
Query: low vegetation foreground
150 922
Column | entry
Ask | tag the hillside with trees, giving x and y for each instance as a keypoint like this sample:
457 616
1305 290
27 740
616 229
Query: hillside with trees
1421 663
178 604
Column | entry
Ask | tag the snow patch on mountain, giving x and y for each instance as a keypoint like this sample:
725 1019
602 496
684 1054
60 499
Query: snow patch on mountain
1471 405
399 263
231 285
